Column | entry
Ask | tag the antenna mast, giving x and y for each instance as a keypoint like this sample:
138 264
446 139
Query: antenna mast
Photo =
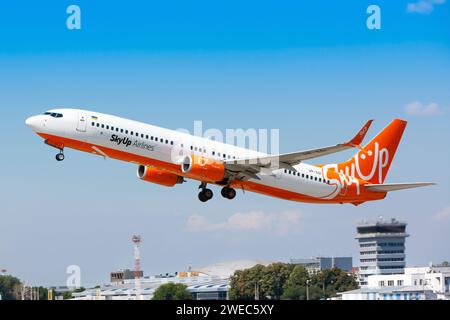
137 265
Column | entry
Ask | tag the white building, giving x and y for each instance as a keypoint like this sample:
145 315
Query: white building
208 283
389 293
424 283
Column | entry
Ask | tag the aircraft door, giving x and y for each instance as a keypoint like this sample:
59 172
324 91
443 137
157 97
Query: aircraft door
82 122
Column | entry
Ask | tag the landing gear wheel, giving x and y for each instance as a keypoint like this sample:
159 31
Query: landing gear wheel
60 157
208 194
205 195
228 193
201 197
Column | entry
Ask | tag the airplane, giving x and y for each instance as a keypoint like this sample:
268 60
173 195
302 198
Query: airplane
168 157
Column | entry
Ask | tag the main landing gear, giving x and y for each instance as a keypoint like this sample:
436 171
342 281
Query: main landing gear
60 155
206 194
228 193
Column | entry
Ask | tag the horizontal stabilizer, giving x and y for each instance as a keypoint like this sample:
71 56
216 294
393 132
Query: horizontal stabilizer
387 187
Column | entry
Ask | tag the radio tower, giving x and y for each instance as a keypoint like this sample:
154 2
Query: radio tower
137 265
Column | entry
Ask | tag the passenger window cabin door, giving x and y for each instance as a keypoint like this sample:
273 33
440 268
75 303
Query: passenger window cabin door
82 122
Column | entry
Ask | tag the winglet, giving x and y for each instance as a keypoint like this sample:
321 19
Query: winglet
356 141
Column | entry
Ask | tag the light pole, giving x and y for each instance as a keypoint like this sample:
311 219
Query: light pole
323 287
257 289
307 289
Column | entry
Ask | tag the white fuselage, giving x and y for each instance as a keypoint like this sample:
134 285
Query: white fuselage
104 132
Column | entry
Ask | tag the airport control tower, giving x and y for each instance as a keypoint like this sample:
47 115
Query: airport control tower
381 248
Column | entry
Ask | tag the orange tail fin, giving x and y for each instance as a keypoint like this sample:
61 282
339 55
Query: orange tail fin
373 161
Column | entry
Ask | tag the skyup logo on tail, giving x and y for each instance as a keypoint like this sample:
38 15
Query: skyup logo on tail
361 162
371 164
353 171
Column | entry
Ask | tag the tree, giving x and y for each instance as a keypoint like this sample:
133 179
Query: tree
287 281
267 281
332 281
344 281
10 288
67 295
273 280
172 291
43 293
244 282
295 287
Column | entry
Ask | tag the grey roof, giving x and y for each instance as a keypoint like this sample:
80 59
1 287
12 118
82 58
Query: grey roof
210 287
198 284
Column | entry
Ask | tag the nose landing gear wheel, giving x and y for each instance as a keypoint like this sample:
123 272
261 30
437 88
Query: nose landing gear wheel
228 193
60 157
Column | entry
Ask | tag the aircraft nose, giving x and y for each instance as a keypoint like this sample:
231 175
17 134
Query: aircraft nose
32 122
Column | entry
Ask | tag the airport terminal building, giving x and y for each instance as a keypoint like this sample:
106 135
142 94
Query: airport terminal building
208 283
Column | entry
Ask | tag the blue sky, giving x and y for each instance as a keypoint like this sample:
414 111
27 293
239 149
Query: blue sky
312 70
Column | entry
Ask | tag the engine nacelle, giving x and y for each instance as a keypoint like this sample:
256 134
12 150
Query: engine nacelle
161 177
203 169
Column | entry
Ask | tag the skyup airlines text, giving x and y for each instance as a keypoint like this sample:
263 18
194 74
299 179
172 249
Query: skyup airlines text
128 142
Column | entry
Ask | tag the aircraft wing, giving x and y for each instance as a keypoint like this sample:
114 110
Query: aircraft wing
387 187
288 160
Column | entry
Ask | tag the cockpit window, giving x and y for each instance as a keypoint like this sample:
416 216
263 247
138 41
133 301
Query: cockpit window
53 114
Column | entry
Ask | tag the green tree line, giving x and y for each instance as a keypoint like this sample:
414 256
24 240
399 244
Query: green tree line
288 282
172 291
11 289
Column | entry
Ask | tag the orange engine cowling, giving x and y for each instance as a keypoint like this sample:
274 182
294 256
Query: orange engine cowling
203 169
154 175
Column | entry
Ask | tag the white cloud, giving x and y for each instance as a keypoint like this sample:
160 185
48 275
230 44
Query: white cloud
417 108
423 6
444 214
280 223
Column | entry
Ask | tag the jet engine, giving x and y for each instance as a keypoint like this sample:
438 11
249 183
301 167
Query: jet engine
202 169
161 177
